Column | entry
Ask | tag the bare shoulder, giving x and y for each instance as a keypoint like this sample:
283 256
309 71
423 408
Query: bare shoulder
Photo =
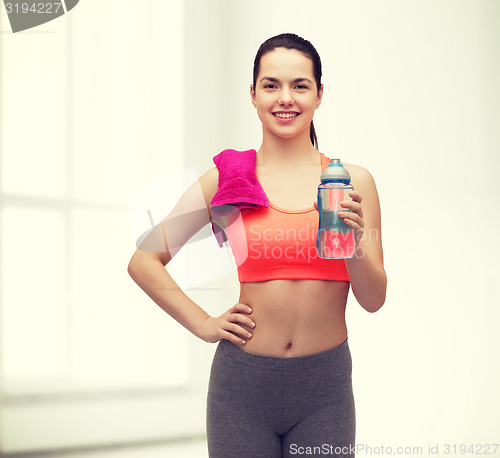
363 181
209 183
360 176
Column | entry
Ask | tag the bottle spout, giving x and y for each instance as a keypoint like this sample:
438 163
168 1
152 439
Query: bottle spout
335 172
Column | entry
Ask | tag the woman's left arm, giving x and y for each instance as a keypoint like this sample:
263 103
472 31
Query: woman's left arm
366 268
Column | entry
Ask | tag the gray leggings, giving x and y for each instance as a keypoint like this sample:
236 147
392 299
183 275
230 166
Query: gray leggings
276 407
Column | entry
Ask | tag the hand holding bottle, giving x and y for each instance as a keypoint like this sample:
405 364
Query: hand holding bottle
354 218
340 218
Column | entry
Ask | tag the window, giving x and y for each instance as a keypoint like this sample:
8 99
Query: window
84 126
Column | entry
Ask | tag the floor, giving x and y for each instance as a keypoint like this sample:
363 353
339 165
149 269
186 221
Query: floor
193 448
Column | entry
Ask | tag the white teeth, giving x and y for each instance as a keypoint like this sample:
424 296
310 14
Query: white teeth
285 115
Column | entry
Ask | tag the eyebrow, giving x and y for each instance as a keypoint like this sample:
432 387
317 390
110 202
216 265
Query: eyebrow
276 80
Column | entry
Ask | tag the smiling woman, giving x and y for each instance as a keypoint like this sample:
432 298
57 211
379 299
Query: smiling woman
289 90
281 373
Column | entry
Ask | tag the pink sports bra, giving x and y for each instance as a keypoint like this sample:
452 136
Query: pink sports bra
272 243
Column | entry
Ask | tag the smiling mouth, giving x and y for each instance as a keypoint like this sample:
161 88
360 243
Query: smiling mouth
285 115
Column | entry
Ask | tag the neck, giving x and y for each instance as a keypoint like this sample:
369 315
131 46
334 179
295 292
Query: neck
287 152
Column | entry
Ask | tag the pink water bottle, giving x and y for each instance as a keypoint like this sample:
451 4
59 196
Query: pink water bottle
335 238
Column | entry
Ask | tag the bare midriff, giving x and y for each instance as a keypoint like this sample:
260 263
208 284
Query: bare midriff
295 317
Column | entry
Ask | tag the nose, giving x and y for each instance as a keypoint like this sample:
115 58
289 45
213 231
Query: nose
285 97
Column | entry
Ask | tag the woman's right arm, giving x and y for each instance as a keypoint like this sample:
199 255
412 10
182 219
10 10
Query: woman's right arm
147 268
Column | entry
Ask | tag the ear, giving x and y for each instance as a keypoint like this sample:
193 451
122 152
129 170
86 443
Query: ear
252 95
320 97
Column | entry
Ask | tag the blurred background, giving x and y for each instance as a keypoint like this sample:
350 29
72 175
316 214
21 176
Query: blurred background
114 95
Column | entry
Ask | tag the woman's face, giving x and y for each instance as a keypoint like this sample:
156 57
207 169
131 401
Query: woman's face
285 93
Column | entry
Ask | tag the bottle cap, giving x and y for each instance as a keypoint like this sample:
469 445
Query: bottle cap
335 172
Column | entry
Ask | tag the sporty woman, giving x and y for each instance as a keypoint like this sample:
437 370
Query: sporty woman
280 382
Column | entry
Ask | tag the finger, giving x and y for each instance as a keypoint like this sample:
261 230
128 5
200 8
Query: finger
239 318
233 338
241 308
355 227
315 204
353 206
353 220
239 331
352 223
350 217
355 195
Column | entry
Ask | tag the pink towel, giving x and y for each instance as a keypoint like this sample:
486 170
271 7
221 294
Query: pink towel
238 188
